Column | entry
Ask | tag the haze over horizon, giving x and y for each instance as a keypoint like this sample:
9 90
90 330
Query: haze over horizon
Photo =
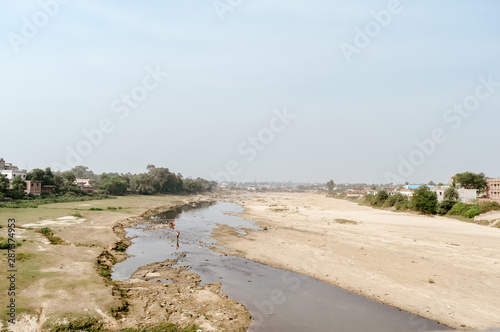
268 90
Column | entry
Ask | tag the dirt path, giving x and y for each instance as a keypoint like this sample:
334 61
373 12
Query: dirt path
435 267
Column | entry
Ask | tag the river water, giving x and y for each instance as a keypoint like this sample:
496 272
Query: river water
278 300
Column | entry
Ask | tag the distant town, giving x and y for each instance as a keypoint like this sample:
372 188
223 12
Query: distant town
34 187
357 190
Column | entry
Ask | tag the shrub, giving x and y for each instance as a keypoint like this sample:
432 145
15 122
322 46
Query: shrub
488 206
472 212
445 206
368 199
425 201
402 205
80 324
458 209
46 231
4 244
76 214
394 199
389 202
379 198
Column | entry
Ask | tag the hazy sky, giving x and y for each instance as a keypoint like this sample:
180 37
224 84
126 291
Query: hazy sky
265 89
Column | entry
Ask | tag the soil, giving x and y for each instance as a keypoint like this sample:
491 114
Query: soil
435 267
69 281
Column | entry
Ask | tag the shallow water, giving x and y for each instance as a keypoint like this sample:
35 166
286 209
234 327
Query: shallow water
278 300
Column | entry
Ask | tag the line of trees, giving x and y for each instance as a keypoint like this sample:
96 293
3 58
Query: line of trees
157 180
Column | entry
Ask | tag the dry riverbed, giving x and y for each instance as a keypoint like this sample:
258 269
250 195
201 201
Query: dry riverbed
439 268
68 283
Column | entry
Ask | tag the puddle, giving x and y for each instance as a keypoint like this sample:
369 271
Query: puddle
278 300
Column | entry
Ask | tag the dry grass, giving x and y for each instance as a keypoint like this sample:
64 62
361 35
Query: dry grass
346 221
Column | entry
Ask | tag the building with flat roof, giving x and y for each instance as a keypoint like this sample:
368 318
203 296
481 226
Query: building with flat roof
33 187
11 171
493 189
464 195
86 185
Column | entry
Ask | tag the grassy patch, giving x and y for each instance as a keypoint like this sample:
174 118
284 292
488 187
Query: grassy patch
105 262
76 214
4 243
24 256
28 267
50 236
121 246
84 323
19 204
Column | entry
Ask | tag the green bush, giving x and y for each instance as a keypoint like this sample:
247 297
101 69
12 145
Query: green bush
368 199
46 231
394 199
425 201
4 243
472 211
458 209
379 198
402 205
90 324
445 206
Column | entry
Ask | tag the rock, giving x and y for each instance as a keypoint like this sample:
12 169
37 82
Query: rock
152 275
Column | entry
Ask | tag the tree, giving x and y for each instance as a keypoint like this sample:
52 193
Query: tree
451 194
191 186
83 172
379 198
143 184
69 177
4 184
425 200
470 180
48 177
330 184
115 185
36 174
65 184
198 185
431 183
179 183
18 186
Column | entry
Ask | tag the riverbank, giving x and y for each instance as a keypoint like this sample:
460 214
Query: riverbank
67 282
435 267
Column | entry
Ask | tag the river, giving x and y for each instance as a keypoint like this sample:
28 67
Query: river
278 300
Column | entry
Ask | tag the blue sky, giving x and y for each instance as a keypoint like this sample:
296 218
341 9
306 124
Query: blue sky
353 120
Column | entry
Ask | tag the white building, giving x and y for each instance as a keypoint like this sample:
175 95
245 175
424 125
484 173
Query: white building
465 195
11 171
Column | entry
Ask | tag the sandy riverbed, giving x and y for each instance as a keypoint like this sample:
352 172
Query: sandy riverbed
439 268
